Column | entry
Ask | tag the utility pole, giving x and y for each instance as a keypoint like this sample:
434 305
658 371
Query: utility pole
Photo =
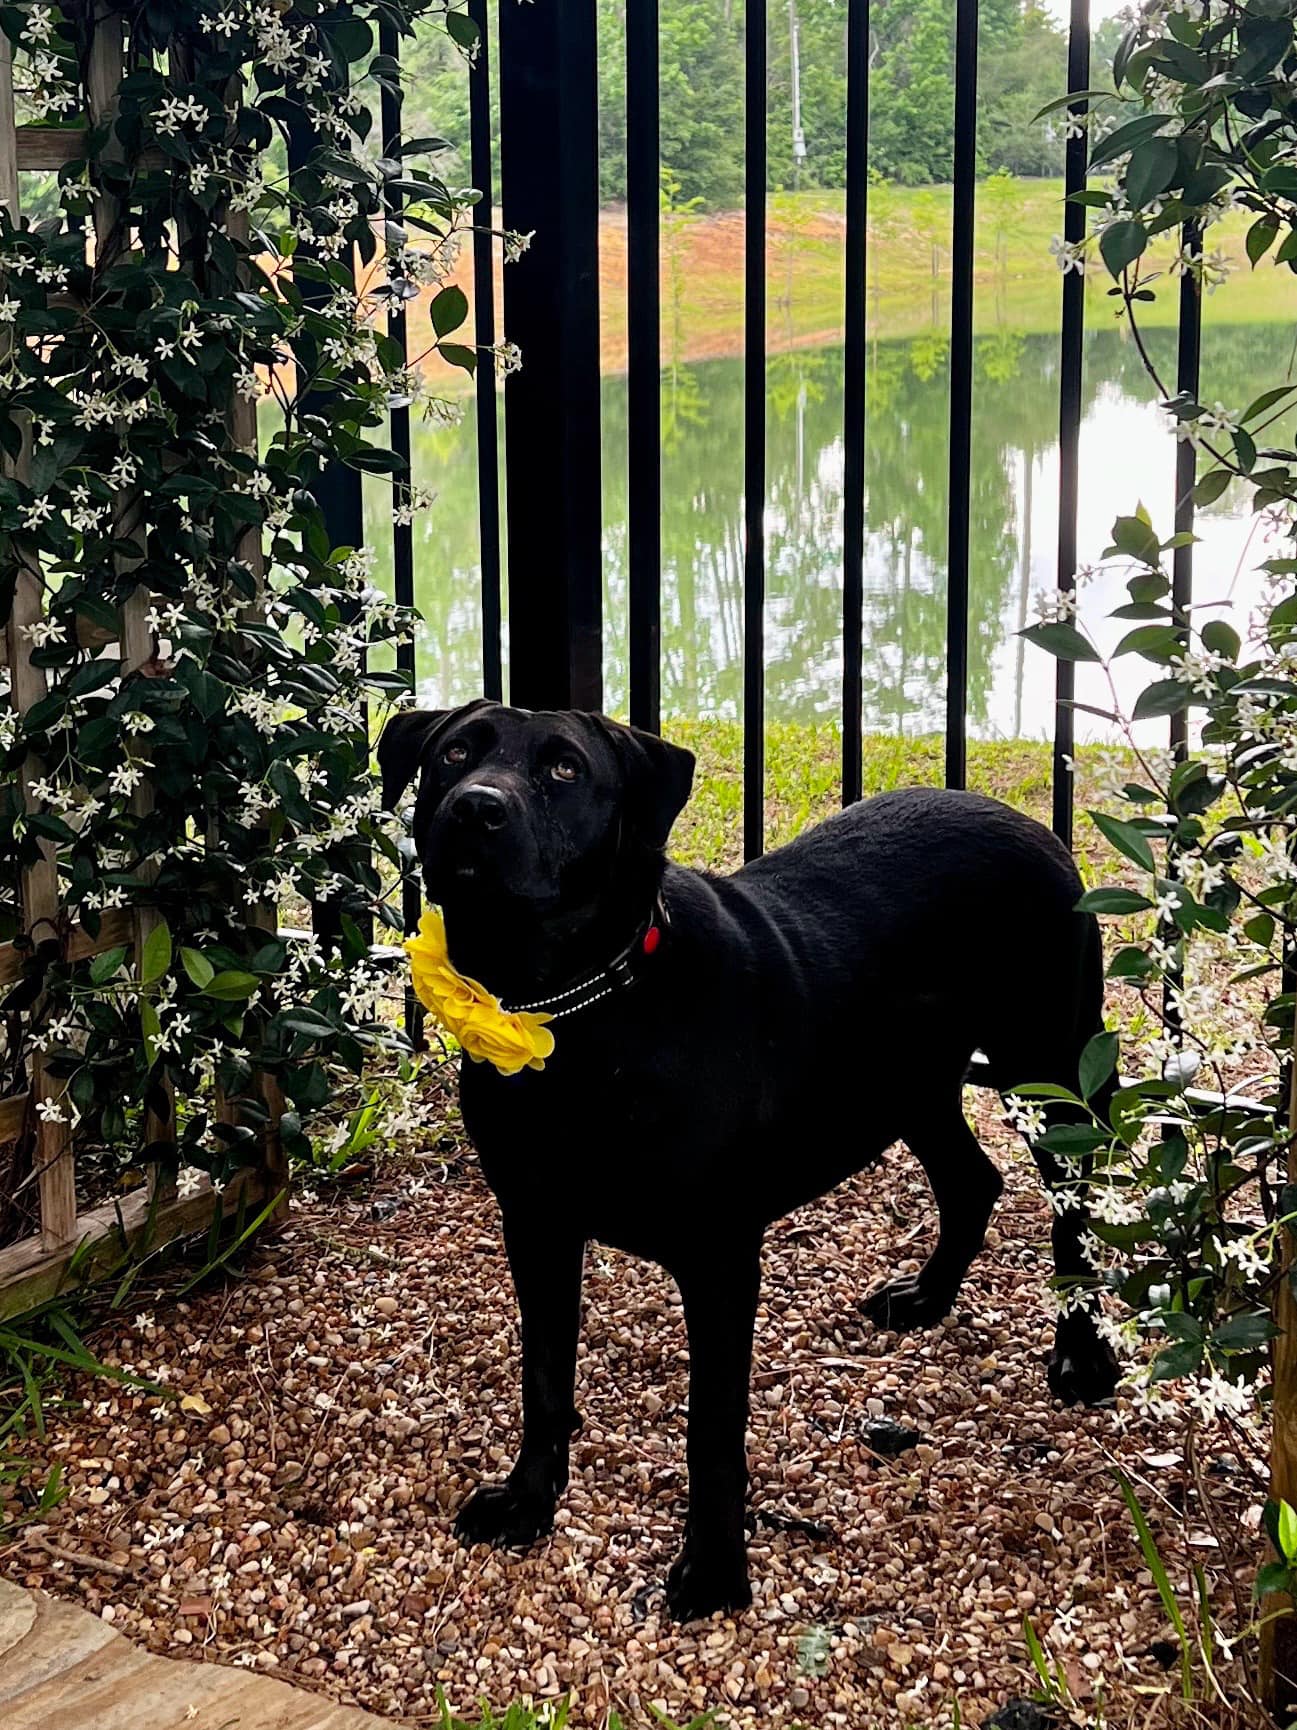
799 137
799 150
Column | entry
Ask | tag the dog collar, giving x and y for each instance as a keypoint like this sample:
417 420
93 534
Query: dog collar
517 1038
618 975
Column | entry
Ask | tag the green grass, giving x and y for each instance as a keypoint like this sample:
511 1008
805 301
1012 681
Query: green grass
908 274
1017 285
803 781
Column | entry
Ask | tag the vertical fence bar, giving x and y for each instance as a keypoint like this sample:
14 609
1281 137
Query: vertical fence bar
402 527
754 431
488 446
51 1143
1188 356
1188 365
389 43
1071 358
644 360
961 391
853 397
549 173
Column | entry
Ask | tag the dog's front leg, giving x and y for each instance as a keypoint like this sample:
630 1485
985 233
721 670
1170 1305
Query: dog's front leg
546 1263
720 1290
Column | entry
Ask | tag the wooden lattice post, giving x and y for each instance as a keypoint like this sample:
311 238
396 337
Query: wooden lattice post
51 1136
33 1269
243 436
103 77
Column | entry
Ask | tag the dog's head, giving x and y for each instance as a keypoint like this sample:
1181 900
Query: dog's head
539 806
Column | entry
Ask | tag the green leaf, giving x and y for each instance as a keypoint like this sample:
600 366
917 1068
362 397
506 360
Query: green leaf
231 985
1125 1237
104 966
1112 901
1245 1332
1268 399
1273 1577
1147 585
1260 238
457 354
155 958
1211 486
1154 642
1125 138
1046 1090
93 676
1126 838
308 1022
1260 929
1129 963
1175 1361
1136 537
1164 697
352 37
1121 244
1098 1062
1193 789
151 1028
449 309
198 967
1150 171
1222 639
461 30
1073 1138
1287 1531
1061 640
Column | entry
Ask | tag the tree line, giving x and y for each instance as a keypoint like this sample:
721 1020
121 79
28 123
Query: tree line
1022 66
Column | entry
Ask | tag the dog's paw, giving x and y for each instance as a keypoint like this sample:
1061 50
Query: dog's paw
1083 1369
698 1585
905 1305
505 1516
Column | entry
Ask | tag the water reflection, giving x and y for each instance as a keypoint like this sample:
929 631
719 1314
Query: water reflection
1125 456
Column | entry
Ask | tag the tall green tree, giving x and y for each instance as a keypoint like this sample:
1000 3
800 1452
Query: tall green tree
912 92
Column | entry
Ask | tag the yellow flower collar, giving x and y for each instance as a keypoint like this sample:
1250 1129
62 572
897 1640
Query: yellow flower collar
486 1032
513 1039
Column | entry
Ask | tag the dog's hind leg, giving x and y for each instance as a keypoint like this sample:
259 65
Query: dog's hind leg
1082 1367
966 1186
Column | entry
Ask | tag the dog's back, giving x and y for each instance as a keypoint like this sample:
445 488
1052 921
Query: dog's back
952 898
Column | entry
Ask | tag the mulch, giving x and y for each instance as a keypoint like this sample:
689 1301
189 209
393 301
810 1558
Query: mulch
290 1506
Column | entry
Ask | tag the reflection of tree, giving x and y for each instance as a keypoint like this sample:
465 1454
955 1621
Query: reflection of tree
683 403
907 457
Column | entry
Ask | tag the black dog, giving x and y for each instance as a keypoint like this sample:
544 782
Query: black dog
728 1048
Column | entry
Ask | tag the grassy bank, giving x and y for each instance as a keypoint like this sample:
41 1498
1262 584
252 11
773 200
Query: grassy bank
908 269
803 770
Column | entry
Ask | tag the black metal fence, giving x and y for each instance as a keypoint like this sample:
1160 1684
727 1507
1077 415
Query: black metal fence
548 143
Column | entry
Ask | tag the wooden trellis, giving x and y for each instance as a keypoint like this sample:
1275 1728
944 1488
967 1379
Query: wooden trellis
94 1241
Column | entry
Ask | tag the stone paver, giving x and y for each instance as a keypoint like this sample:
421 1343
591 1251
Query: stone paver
63 1669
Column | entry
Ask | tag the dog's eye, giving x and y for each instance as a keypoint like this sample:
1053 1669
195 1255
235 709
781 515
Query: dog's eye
565 769
457 753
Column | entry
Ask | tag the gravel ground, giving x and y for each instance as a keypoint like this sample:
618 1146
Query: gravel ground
293 1511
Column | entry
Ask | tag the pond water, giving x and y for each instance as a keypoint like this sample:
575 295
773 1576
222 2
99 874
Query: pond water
1126 456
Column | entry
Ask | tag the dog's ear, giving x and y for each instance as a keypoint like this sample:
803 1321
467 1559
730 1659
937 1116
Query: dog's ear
657 776
404 740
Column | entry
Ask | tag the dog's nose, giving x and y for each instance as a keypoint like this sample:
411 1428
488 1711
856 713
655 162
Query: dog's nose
481 808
